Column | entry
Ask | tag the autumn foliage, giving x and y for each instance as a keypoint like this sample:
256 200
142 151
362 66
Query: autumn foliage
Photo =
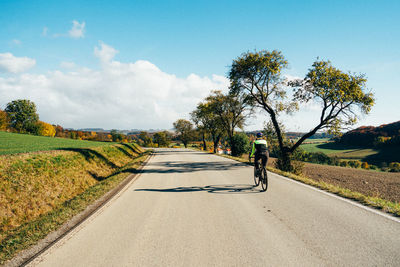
4 120
368 136
46 129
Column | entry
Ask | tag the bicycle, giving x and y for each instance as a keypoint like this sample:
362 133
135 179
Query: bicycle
260 175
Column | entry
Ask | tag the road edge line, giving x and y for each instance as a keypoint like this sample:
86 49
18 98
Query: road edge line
350 201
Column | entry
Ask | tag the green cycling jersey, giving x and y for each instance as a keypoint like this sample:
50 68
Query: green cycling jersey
259 147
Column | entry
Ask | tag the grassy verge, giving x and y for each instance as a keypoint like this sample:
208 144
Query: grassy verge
376 202
66 181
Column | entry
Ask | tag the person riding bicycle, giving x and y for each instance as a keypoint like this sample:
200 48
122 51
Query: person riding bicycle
260 150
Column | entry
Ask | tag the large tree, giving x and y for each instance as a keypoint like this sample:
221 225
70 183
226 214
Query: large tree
184 129
23 116
232 110
207 121
259 75
162 138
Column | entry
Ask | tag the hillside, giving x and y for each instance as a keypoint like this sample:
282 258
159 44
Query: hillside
368 136
12 143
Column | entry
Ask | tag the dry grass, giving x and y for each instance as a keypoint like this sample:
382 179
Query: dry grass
34 184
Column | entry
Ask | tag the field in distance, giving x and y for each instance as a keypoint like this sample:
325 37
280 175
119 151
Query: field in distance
370 155
12 143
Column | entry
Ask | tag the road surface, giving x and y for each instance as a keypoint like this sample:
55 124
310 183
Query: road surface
190 208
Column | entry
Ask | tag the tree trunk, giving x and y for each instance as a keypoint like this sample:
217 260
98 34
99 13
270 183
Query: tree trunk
233 150
284 162
216 142
204 142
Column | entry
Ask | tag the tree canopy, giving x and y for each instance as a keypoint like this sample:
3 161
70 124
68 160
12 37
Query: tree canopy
258 75
206 119
22 115
184 128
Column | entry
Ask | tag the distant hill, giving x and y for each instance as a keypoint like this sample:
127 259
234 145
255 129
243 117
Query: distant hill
369 136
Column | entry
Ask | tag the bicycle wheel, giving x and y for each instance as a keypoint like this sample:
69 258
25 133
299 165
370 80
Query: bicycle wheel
256 177
264 180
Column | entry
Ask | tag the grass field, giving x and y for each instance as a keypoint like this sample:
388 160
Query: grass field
333 149
317 140
12 143
370 155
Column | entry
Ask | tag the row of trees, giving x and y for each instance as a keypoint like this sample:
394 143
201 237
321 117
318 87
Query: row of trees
21 116
257 84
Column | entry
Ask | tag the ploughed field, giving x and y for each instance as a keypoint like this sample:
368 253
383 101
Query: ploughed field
385 185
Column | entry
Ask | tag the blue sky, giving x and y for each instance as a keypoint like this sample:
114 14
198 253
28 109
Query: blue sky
157 59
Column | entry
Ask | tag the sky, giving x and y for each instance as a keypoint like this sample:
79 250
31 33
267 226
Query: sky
145 64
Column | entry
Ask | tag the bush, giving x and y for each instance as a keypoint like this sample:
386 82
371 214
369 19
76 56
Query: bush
296 160
334 161
373 167
314 157
354 163
394 167
240 144
344 163
365 165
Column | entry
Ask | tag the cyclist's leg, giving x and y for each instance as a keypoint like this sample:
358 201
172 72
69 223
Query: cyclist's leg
256 160
265 159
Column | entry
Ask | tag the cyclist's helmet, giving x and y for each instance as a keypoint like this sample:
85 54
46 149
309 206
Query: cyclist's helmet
259 134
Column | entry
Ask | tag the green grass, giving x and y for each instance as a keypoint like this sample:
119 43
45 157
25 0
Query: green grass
340 151
317 140
32 231
13 143
370 155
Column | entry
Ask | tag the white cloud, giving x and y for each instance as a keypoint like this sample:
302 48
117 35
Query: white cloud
105 52
67 65
118 95
77 30
10 63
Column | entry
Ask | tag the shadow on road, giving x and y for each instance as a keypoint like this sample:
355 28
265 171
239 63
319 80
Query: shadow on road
216 189
187 167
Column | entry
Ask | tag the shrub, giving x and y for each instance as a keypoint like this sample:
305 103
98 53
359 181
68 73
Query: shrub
394 167
373 167
316 157
296 160
240 144
365 165
334 161
344 163
354 163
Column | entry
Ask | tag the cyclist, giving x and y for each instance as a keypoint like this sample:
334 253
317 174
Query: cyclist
260 150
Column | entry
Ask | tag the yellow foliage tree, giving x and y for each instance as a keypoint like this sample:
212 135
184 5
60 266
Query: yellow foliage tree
46 129
4 120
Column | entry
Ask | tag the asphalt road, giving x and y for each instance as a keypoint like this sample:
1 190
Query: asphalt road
194 209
